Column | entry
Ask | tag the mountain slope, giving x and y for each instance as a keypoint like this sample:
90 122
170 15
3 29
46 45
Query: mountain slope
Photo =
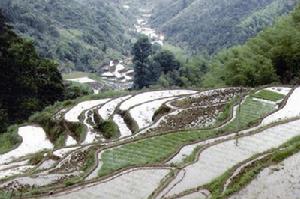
273 55
78 34
209 26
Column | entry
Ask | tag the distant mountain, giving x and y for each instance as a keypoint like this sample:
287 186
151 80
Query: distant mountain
271 56
79 34
208 26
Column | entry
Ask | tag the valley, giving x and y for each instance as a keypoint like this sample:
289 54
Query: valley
118 74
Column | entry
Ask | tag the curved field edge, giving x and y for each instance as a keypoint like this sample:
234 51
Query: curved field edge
250 172
196 155
11 140
160 148
53 127
79 180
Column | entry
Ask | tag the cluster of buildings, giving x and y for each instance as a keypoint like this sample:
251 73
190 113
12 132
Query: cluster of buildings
118 73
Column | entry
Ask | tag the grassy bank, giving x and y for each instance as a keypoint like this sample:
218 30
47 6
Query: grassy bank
10 139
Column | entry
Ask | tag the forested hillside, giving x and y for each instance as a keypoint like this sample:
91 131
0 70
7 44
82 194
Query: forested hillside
209 26
81 35
28 83
272 56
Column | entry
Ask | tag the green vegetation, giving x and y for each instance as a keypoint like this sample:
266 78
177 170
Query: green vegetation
148 151
192 157
154 66
81 35
72 181
269 57
78 130
222 23
75 90
269 95
53 128
226 112
9 140
36 158
248 114
248 174
28 83
108 128
141 51
130 122
89 161
164 109
75 75
157 149
5 195
57 129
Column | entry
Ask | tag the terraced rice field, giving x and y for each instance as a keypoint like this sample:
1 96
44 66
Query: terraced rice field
219 158
170 144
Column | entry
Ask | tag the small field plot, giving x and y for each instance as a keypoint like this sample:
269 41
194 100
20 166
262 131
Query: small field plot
197 117
34 140
290 110
143 114
153 95
108 109
269 95
200 110
208 98
249 113
73 114
75 75
148 151
131 184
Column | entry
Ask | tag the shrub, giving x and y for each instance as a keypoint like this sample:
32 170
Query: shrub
130 122
36 159
76 129
74 90
226 112
108 128
164 109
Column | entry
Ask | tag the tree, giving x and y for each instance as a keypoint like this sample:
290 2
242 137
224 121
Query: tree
192 72
141 51
167 61
28 82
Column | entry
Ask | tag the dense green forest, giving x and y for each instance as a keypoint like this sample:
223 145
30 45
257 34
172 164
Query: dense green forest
272 56
209 26
28 83
80 35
